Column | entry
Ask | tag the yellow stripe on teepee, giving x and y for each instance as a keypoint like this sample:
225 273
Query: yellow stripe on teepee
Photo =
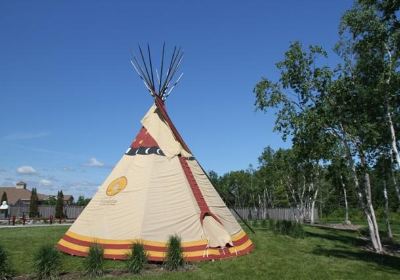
145 242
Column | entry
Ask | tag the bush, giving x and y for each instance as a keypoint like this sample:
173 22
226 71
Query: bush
136 259
289 228
255 223
174 258
6 272
94 262
264 224
47 262
271 224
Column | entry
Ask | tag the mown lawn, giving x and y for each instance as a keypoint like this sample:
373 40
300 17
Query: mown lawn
323 254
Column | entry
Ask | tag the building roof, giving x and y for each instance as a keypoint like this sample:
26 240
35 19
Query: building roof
14 194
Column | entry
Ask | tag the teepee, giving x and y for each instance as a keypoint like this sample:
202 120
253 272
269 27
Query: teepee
156 190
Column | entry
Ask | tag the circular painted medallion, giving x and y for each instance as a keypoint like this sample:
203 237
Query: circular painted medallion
116 186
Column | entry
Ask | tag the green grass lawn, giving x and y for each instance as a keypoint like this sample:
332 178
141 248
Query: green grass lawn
322 254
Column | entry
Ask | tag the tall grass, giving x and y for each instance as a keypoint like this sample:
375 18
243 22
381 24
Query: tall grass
94 262
174 258
47 262
136 259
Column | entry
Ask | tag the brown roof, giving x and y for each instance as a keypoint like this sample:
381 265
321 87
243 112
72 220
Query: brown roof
14 194
67 197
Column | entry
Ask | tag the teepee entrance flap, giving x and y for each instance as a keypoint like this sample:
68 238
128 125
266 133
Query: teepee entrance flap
216 234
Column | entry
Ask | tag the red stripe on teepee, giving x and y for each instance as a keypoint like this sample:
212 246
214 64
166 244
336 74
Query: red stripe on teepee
161 107
201 202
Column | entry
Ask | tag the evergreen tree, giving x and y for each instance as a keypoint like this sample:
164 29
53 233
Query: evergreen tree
60 205
4 197
33 206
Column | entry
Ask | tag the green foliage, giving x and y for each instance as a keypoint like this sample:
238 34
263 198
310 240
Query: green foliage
4 198
60 205
47 262
347 117
264 223
94 262
255 223
6 271
136 259
82 201
289 228
33 206
174 258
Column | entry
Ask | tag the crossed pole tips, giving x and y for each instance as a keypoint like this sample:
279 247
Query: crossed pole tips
164 83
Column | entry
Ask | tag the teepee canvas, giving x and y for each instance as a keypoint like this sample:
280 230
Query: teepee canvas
156 190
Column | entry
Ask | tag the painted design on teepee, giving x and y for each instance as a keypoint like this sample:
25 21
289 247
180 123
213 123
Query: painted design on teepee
144 144
117 186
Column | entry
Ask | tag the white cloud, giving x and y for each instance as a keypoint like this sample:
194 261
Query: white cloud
45 182
26 170
25 135
93 162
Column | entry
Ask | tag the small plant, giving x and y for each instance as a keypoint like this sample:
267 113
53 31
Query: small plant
264 223
174 258
255 223
271 224
47 262
290 228
136 259
94 262
6 272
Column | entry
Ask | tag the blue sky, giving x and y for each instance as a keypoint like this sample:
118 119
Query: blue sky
71 102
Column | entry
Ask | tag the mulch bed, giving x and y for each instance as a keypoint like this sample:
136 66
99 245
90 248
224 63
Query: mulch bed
348 227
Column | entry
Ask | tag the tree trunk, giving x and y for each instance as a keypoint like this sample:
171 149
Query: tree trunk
394 142
312 219
365 205
346 205
387 220
396 187
369 210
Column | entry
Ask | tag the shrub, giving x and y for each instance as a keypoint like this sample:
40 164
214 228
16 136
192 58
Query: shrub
6 272
174 258
94 262
290 228
136 259
47 262
271 224
264 223
255 223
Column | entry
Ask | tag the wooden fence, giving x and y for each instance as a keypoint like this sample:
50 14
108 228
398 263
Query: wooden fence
45 211
73 211
288 214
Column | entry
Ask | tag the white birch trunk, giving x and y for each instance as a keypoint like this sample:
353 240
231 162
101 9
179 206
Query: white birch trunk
388 113
312 219
367 207
396 187
387 220
346 205
370 211
394 141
